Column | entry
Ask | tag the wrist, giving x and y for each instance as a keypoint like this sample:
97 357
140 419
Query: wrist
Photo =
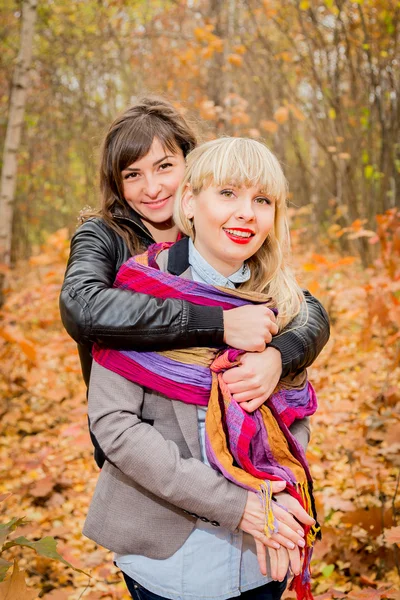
274 354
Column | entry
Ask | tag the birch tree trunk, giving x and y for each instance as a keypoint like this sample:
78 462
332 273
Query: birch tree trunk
14 128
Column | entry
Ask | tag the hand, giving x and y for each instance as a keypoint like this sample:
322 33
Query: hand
279 559
289 533
254 380
249 327
293 506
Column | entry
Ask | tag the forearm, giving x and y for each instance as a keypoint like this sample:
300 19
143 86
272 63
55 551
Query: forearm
155 463
303 338
93 311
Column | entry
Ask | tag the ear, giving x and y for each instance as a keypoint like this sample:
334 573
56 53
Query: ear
187 202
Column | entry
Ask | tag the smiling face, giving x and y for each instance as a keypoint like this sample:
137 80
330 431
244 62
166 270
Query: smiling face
230 223
150 184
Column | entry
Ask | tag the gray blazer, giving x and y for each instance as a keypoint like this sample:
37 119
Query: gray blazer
153 486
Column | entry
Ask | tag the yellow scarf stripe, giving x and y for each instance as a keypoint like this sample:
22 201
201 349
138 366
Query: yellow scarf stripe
279 446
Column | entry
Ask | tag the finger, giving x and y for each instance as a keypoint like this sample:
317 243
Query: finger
277 486
294 561
298 511
271 314
283 541
273 328
286 518
273 563
267 337
243 386
283 563
289 536
252 405
231 376
261 557
247 396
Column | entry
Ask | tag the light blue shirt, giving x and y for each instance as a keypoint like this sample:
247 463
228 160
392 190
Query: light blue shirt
213 563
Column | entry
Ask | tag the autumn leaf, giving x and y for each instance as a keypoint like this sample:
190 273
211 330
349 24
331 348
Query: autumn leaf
4 566
365 594
15 587
42 487
7 528
235 59
281 115
269 126
12 335
47 547
328 570
392 535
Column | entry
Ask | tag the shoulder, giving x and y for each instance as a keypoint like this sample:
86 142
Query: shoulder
94 225
95 233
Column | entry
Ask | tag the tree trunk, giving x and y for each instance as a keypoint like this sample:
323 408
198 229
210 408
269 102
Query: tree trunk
14 128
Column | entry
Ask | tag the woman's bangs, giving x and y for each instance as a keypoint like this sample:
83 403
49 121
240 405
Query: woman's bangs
243 164
137 141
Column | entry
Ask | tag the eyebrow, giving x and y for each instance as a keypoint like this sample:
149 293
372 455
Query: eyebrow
160 160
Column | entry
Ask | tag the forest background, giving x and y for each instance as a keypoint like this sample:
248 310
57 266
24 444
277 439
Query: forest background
319 81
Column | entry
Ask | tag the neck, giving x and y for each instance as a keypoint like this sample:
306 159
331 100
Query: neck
222 267
163 232
226 269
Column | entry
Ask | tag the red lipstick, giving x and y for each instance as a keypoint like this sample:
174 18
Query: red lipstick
239 239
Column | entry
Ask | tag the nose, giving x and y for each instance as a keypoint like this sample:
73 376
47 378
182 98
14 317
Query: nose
245 211
152 186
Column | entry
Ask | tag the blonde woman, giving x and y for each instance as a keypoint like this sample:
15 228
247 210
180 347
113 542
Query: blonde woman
179 528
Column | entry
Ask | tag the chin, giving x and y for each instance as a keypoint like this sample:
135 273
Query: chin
161 218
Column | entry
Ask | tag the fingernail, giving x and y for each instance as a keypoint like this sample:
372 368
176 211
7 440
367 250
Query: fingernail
292 546
301 543
300 532
276 546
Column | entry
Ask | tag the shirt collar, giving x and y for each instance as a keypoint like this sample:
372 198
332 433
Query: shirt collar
209 275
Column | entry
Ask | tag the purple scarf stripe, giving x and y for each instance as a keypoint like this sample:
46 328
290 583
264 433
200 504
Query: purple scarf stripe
175 371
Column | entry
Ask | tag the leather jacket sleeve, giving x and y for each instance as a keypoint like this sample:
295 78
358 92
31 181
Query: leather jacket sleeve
93 311
301 341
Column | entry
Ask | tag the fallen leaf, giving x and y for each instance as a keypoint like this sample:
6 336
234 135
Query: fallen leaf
15 587
392 535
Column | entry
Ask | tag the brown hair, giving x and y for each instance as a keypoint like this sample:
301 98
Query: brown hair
129 139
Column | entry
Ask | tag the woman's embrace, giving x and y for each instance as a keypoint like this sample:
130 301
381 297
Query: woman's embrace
191 492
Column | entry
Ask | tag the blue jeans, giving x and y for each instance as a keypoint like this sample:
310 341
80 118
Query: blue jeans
269 591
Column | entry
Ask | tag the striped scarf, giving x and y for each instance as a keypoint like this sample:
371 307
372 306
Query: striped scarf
249 449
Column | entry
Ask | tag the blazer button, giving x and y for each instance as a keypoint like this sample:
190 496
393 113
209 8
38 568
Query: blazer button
215 523
204 519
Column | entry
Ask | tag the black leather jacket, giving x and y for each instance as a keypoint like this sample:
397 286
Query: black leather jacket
92 311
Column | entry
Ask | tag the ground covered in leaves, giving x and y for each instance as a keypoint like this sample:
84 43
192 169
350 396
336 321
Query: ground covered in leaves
46 455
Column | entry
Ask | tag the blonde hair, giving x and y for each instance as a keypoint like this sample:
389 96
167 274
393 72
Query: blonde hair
245 162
